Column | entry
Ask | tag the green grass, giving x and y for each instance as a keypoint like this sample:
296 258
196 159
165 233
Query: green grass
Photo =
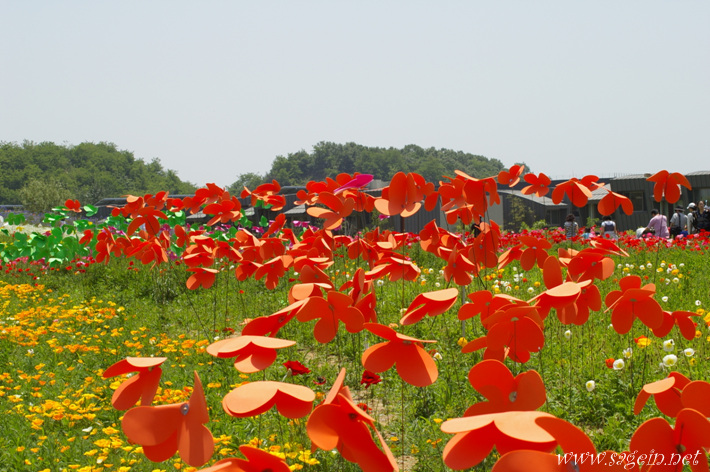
60 331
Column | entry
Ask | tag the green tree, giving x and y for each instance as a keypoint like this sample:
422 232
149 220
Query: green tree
41 195
249 180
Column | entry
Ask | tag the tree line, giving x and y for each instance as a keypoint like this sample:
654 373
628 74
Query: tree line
329 159
42 175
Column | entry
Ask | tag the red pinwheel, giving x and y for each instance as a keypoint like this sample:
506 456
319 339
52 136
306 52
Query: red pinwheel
535 253
476 436
682 319
339 423
688 438
165 429
141 386
329 312
256 461
493 380
73 205
668 185
579 453
252 353
511 177
666 393
539 185
254 398
578 191
414 364
611 201
631 302
429 303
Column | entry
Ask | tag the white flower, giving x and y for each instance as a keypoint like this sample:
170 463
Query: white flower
402 311
698 303
669 345
568 334
628 352
675 280
441 272
437 285
591 385
437 356
88 430
610 326
619 266
531 290
689 352
665 299
649 265
380 283
670 360
682 264
619 364
663 264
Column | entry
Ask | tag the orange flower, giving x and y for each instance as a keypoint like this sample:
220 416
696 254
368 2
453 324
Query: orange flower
668 185
254 398
633 301
162 430
492 379
476 436
339 423
414 365
252 353
688 438
256 461
429 303
141 386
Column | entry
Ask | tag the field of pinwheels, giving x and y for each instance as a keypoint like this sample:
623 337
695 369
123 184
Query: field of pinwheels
143 343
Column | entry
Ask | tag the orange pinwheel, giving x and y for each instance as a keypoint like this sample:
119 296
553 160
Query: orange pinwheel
272 271
429 303
571 300
535 253
695 395
476 436
338 307
579 453
141 386
339 423
253 353
201 277
514 331
459 267
256 461
492 379
254 398
271 324
511 177
404 194
73 205
484 303
578 191
682 319
539 184
688 438
611 201
396 266
668 185
165 429
666 393
267 194
337 209
414 364
631 302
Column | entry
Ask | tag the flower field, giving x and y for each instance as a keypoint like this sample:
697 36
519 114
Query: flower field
144 344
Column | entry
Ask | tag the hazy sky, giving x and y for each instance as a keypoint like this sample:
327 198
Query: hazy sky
215 89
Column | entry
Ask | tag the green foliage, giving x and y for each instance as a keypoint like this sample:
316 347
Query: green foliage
249 180
330 159
88 171
521 216
41 195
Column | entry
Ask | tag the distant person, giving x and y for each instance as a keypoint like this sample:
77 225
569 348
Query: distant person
659 224
609 228
691 219
701 217
571 227
679 223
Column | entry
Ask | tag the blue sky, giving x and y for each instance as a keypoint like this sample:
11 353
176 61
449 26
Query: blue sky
214 89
